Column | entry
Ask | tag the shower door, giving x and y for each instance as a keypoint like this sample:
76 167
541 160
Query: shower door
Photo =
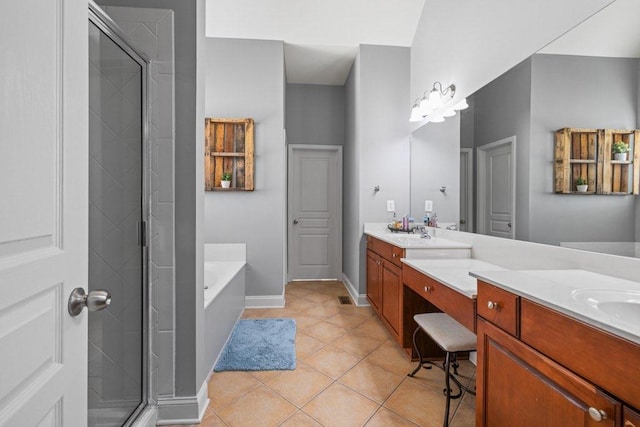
117 254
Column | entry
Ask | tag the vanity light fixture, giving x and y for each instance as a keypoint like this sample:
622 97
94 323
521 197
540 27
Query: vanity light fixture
433 106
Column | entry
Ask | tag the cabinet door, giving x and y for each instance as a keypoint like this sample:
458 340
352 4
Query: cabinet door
630 418
391 295
519 386
374 280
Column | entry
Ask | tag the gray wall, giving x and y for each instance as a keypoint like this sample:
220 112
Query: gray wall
503 109
315 114
190 371
573 91
435 162
245 79
376 146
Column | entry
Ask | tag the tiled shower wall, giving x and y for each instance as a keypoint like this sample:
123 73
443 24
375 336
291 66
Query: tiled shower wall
151 31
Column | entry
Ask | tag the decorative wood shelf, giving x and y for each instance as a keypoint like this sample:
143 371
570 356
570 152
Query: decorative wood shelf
586 153
228 149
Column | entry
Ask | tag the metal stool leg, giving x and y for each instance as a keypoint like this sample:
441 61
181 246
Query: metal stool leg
447 390
415 346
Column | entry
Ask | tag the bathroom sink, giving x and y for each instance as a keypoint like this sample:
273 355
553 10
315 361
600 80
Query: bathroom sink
623 305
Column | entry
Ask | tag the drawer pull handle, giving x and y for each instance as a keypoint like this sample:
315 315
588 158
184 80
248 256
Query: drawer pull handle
428 289
493 305
395 255
597 414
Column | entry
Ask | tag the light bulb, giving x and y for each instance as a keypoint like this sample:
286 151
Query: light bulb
450 112
436 118
435 99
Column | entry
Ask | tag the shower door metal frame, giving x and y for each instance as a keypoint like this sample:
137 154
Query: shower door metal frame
105 24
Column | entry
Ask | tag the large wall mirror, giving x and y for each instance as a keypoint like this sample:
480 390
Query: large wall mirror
503 143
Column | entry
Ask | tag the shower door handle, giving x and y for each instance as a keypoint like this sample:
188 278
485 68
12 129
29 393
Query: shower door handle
94 301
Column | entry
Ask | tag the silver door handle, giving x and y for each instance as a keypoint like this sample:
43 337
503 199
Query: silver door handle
295 221
94 300
462 221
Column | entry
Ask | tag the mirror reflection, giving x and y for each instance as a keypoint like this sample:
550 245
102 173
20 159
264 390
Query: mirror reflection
588 78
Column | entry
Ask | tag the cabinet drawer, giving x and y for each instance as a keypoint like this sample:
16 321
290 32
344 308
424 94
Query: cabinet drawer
602 358
456 305
386 250
499 307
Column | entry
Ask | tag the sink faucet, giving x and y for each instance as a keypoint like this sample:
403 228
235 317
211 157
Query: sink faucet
425 232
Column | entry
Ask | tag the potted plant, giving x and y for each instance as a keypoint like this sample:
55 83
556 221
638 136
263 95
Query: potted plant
620 150
582 185
225 181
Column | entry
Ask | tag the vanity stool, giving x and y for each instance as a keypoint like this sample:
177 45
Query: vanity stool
453 338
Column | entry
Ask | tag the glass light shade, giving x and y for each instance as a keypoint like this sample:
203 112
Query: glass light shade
461 105
450 112
435 98
425 107
415 115
436 118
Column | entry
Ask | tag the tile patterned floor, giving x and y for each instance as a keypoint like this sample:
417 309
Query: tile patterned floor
349 372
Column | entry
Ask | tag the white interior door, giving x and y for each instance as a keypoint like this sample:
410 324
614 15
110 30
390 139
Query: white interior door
315 212
43 212
496 188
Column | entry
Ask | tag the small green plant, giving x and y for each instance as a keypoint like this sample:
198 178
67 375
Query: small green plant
226 176
581 181
620 147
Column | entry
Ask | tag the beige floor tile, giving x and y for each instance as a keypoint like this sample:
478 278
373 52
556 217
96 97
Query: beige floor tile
372 328
279 313
358 345
386 418
418 404
260 407
392 358
432 378
292 290
339 406
264 376
332 362
300 419
347 321
371 381
226 387
300 385
253 313
210 419
465 416
319 298
306 345
322 311
299 304
325 331
305 322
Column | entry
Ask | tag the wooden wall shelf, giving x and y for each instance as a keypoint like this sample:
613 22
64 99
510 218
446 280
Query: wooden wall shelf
586 153
228 148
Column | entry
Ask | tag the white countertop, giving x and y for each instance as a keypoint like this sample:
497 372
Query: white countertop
453 273
411 240
576 293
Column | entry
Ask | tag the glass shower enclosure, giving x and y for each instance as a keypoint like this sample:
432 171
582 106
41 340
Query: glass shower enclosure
118 337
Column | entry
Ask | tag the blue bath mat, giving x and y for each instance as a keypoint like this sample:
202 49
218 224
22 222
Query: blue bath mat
260 345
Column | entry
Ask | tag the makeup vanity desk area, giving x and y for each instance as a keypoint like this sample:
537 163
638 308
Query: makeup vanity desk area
407 276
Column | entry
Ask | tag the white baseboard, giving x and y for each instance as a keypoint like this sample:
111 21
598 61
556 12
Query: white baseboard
267 301
148 418
183 409
360 299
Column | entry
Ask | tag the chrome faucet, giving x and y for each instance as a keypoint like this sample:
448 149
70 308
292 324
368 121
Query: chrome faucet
425 232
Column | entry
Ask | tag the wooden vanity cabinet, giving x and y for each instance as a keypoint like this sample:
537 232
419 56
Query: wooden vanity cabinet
630 418
384 283
552 369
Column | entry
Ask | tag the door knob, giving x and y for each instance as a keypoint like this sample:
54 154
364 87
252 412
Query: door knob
94 300
295 221
509 225
462 221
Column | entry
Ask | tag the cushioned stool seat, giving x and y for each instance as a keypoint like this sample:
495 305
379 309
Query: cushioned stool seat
453 338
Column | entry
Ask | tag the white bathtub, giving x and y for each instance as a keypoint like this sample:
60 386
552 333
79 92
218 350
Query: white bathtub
224 295
218 275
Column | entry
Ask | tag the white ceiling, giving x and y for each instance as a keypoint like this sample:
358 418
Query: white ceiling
612 32
321 37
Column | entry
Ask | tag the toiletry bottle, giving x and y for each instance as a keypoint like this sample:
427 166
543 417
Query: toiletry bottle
405 222
425 219
434 220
